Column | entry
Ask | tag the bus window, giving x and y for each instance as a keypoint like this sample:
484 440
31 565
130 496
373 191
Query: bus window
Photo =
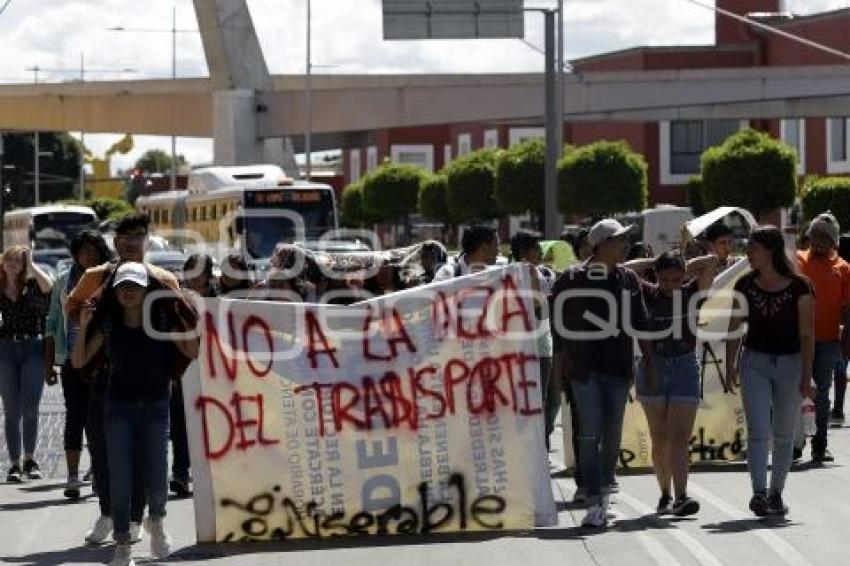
165 214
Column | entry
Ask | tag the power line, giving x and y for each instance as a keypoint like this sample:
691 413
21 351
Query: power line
771 29
6 5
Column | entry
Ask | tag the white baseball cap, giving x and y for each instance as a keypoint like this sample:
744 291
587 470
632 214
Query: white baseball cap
607 229
131 271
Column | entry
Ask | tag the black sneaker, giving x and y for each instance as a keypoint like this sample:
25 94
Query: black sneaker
179 487
685 506
14 475
775 505
759 504
798 454
664 504
822 456
32 470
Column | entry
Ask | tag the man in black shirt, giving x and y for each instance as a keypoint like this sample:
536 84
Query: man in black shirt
596 302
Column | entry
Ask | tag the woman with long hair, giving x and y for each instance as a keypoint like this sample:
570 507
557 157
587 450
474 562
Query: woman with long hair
775 363
668 381
23 308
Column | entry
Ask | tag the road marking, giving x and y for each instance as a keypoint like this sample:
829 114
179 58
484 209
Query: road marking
660 555
691 544
778 545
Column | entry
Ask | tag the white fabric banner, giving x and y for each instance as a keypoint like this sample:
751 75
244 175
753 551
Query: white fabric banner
416 412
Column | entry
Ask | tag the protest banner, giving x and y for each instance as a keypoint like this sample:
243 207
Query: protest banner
412 413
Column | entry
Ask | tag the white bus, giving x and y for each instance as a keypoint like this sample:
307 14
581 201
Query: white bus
46 227
235 208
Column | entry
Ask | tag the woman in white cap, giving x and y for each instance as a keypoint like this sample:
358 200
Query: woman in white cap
137 405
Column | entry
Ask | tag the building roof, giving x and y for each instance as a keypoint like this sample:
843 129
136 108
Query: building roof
832 14
645 49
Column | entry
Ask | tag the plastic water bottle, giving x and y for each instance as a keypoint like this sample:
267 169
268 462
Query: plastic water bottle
809 425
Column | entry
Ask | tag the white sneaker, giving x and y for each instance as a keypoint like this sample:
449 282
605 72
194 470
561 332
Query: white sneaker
123 556
597 515
160 541
100 531
136 533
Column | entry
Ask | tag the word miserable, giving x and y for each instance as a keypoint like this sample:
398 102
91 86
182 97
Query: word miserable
266 521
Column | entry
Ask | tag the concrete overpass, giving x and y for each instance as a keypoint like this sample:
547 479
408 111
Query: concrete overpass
347 106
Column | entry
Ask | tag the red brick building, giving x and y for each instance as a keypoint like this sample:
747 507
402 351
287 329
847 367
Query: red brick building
671 149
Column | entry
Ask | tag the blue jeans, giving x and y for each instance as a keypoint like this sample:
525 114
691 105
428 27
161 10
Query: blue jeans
770 389
126 424
21 385
826 355
601 403
678 380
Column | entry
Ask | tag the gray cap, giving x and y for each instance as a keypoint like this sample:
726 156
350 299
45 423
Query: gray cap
606 230
826 225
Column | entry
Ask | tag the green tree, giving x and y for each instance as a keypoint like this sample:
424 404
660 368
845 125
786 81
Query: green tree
471 186
695 196
520 178
105 208
391 193
602 178
351 205
828 194
60 171
158 161
432 199
750 170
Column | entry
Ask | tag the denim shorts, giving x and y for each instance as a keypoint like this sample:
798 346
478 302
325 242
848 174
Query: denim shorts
678 380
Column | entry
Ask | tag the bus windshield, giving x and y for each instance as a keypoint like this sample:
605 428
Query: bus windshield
263 232
56 229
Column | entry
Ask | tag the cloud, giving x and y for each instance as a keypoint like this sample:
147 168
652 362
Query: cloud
347 35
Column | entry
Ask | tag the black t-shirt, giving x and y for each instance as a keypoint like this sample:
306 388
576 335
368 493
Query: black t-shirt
662 318
773 317
138 365
25 317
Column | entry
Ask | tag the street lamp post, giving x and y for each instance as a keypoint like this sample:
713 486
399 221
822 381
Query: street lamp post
173 31
308 100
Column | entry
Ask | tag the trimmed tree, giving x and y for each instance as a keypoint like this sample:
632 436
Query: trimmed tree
471 184
828 194
351 205
391 193
695 197
750 170
520 178
432 198
602 178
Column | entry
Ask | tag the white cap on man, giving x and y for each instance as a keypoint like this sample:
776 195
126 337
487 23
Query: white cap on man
133 272
608 229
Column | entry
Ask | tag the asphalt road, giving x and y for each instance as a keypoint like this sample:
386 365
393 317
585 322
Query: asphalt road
38 526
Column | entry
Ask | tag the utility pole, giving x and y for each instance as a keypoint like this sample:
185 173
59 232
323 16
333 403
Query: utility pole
308 100
82 136
553 135
174 78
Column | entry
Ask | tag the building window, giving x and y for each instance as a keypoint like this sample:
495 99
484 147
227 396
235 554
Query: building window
354 165
371 158
837 136
420 155
447 154
491 139
464 144
683 143
793 133
517 135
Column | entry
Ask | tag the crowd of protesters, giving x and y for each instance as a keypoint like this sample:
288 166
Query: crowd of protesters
122 387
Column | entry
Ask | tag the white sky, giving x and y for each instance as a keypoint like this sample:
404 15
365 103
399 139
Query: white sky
346 34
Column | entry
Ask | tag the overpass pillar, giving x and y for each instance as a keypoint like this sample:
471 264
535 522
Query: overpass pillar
238 71
235 140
